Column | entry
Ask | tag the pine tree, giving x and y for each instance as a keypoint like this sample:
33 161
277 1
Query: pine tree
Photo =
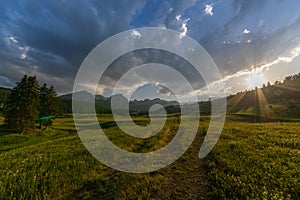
48 103
22 104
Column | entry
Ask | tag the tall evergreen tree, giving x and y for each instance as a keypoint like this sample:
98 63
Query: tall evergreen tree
22 104
48 103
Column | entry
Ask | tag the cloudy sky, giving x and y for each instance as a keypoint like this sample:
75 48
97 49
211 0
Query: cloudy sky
251 42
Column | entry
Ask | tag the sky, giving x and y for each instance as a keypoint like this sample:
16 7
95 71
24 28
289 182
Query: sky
251 42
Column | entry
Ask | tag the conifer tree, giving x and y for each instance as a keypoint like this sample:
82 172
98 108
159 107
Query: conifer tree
22 104
48 103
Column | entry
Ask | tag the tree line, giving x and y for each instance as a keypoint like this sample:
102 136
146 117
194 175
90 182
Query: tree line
27 102
292 81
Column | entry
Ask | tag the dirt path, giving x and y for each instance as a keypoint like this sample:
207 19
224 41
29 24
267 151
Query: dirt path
186 178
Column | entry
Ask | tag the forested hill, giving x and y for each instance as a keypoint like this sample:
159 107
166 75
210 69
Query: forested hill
4 92
278 101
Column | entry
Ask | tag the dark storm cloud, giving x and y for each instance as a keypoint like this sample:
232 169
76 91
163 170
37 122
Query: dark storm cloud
169 14
164 90
53 37
144 56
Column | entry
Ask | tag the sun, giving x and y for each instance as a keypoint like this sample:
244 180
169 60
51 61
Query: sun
255 79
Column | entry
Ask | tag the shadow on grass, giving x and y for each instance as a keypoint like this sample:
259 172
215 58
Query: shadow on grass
4 130
69 130
108 124
93 190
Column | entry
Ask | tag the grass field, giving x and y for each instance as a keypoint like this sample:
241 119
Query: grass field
250 161
256 161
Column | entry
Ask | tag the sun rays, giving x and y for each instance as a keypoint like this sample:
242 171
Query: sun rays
261 104
287 87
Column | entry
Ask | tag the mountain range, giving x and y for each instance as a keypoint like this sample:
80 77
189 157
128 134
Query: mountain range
103 104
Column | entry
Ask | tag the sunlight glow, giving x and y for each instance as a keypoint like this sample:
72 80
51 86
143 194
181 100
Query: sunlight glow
255 79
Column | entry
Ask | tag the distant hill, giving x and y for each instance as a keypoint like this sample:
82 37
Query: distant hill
137 106
144 105
4 92
101 103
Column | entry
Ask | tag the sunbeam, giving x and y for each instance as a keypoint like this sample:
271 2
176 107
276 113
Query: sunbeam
261 102
235 100
287 87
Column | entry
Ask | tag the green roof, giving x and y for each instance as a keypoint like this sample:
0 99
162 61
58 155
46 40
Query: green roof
45 118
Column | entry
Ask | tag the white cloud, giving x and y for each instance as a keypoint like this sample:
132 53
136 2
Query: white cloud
135 34
23 56
246 31
208 9
184 28
11 38
178 17
24 51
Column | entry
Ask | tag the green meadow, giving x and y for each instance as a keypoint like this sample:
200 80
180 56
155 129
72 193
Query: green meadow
250 161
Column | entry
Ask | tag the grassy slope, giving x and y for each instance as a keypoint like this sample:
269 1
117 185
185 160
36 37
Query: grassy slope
273 103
